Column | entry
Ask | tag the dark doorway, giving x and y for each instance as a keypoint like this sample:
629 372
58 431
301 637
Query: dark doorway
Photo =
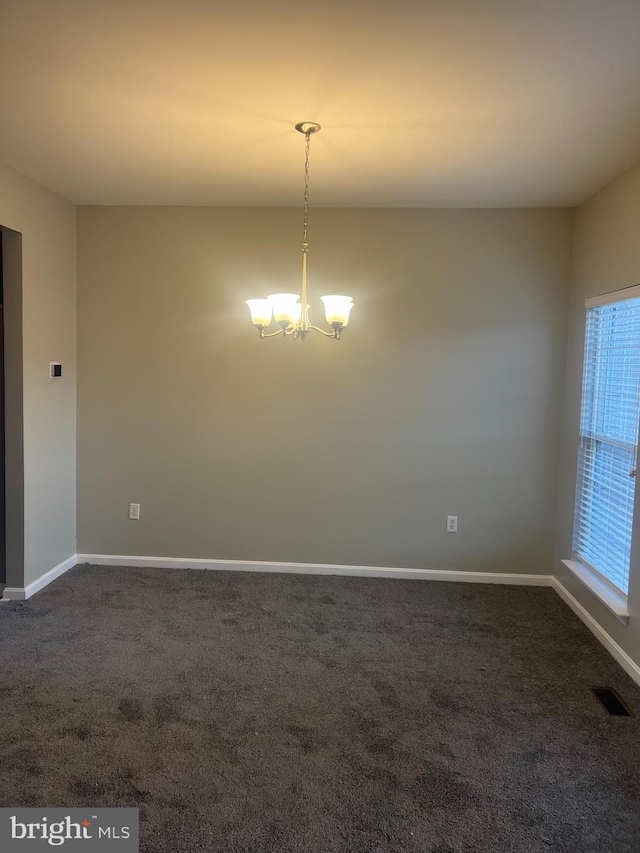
3 538
11 413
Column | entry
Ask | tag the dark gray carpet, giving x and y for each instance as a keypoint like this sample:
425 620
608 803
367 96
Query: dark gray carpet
254 713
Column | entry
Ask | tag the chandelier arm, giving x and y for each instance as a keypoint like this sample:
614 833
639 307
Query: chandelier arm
279 333
322 332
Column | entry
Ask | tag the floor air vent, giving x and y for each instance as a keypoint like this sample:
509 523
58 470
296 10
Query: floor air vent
611 702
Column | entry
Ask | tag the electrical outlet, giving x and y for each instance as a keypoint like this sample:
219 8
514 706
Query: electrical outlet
134 511
452 524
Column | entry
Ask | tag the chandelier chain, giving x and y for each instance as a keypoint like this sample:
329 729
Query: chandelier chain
305 223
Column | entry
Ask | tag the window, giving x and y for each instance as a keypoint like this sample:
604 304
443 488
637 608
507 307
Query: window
608 436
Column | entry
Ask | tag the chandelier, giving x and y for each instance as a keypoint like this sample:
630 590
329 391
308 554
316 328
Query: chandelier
290 314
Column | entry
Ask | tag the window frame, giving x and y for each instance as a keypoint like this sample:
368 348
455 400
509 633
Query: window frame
613 597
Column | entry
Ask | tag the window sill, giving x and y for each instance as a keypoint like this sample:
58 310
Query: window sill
612 598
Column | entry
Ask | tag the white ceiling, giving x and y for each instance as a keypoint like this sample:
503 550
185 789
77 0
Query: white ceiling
428 103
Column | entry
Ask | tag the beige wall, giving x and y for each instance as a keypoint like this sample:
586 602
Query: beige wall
443 397
606 257
47 224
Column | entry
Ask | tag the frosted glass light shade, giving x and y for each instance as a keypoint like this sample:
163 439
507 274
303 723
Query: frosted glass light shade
284 306
337 308
260 311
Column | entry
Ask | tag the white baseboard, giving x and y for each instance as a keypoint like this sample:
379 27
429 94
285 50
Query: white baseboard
616 651
316 569
20 593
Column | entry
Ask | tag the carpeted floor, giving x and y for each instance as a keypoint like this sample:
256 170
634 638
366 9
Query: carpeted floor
251 713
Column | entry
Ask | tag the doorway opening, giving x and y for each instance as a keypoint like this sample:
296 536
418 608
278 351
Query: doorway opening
3 531
11 412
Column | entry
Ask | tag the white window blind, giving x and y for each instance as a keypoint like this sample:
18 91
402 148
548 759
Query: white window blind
609 437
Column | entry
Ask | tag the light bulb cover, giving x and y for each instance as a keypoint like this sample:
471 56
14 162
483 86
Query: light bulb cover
260 312
284 306
337 309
